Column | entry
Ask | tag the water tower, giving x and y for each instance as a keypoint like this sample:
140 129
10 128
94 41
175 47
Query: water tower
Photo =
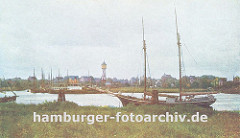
104 67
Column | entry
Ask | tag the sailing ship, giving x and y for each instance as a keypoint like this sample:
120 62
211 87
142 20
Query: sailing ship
69 85
183 98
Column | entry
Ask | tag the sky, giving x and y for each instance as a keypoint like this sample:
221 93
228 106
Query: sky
78 35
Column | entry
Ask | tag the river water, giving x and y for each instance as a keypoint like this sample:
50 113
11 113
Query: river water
227 102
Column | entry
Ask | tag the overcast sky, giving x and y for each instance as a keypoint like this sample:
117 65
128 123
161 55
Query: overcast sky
79 35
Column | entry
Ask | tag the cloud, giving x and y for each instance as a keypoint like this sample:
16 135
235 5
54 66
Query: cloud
79 35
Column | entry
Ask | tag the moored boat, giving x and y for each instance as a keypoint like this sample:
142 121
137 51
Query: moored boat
182 99
8 98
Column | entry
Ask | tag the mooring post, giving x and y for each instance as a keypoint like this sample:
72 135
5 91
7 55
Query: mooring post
61 97
154 96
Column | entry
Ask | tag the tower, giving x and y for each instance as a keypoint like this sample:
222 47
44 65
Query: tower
104 67
34 72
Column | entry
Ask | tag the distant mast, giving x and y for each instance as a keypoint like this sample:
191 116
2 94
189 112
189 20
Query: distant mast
34 79
43 78
51 81
67 80
179 56
145 64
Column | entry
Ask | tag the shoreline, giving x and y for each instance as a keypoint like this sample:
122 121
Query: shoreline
133 90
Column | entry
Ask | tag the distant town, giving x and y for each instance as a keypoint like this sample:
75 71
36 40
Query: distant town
166 81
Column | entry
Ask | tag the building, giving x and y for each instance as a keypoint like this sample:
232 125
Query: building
86 79
192 79
32 78
134 81
236 79
222 81
58 79
73 80
168 81
219 81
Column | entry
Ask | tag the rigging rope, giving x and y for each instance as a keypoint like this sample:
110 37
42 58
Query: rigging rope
148 67
183 71
183 67
190 53
149 71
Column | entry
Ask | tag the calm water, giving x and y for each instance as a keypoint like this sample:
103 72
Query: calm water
228 102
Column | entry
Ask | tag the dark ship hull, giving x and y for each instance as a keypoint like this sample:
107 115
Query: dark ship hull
205 101
8 99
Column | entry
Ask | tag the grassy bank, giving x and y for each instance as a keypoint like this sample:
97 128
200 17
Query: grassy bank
16 120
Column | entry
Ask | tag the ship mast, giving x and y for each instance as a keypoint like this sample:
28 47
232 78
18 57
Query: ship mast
34 79
43 78
179 56
145 64
51 81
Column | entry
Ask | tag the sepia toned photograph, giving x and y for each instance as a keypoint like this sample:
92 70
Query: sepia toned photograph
119 68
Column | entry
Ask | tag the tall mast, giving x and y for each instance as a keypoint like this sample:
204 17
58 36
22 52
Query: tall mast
43 78
67 78
59 73
145 63
179 56
51 81
58 78
34 72
34 79
42 74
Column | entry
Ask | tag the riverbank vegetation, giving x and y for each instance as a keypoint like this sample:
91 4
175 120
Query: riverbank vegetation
199 85
231 88
16 120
